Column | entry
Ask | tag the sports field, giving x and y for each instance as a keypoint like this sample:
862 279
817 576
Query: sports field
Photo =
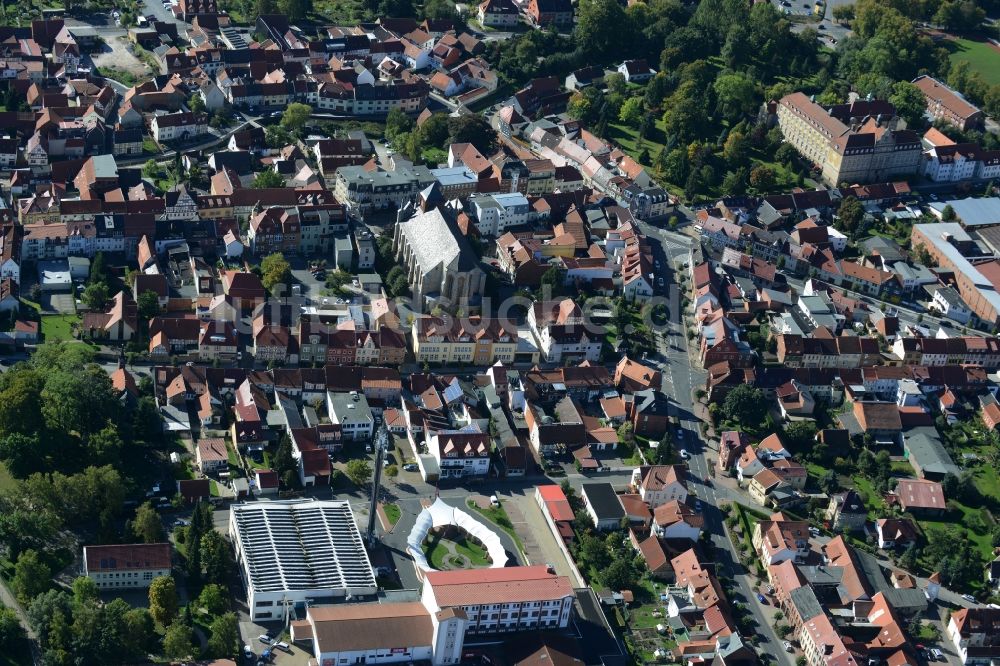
983 57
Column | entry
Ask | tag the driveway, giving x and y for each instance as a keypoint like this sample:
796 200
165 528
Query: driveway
540 545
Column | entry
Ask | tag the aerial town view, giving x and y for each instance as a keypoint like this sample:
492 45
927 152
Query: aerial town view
518 333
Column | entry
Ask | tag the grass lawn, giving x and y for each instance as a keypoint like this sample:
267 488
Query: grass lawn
256 465
213 488
498 515
965 516
873 500
628 138
987 480
391 512
437 551
58 327
982 57
234 458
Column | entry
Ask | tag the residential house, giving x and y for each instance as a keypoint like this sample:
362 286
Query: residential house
895 533
846 512
780 539
602 505
212 456
975 634
677 520
660 484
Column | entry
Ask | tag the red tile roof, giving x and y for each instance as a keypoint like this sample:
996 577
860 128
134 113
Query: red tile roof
127 557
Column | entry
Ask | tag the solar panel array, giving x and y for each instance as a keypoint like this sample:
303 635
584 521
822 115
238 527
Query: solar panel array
302 546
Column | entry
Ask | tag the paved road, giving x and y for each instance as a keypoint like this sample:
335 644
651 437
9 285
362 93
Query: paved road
680 378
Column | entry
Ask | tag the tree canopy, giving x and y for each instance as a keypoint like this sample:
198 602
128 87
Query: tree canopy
275 272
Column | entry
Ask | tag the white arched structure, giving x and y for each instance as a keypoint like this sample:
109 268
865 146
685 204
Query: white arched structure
440 514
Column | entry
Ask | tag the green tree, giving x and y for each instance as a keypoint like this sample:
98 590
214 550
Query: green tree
736 149
295 10
296 116
746 405
396 123
214 599
268 178
106 445
196 104
843 13
148 304
392 471
178 642
12 634
800 435
275 271
95 296
151 169
554 280
620 575
79 402
440 9
600 28
435 130
163 601
277 136
147 526
910 103
632 111
475 129
20 401
138 632
948 214
337 280
216 557
84 591
737 94
283 460
31 576
580 107
850 214
225 639
686 112
358 471
22 454
762 178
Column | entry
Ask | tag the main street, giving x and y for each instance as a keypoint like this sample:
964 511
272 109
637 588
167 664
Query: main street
681 376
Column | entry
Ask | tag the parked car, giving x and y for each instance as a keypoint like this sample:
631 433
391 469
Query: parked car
265 638
968 597
282 645
788 646
936 653
248 652
761 598
684 454
410 467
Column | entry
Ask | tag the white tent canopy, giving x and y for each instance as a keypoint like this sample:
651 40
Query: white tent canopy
440 514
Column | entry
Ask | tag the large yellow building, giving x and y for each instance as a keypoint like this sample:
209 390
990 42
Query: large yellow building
860 142
461 341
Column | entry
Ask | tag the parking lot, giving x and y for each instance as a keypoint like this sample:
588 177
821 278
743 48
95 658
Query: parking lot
795 7
251 631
